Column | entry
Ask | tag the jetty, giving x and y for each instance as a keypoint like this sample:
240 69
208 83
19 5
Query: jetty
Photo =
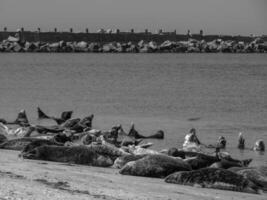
115 41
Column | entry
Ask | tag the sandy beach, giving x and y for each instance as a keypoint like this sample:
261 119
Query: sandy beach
34 179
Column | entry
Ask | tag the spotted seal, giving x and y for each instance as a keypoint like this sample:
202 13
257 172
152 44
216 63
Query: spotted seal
19 144
213 178
93 155
258 175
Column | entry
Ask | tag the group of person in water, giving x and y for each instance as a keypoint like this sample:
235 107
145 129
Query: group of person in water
192 142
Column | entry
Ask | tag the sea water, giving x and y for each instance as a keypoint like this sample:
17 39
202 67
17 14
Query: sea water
218 94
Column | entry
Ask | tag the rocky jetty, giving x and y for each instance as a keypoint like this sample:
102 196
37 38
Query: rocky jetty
258 45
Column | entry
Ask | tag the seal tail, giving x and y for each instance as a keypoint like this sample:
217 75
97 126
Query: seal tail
41 114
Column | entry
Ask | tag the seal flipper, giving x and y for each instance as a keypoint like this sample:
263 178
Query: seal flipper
134 133
41 114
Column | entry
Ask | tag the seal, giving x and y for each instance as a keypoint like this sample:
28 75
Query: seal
21 119
76 125
176 153
84 124
258 175
259 145
138 150
59 120
214 178
119 138
154 166
201 161
123 160
229 162
17 132
134 133
241 141
37 143
93 155
19 144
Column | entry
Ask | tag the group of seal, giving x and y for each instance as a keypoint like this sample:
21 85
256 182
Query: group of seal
74 141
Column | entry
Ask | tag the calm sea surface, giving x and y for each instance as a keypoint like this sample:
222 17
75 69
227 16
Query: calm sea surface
223 93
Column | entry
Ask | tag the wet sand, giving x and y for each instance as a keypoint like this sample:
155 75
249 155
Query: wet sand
34 179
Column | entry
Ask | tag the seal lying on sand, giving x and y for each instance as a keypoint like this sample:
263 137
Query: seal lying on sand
213 178
84 124
134 133
228 163
123 160
154 166
17 132
175 153
258 175
138 150
37 143
59 120
201 161
94 155
20 143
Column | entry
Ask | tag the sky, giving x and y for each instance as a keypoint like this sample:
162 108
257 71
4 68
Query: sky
231 17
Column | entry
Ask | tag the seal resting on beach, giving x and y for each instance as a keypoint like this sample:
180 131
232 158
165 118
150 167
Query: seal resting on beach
213 178
19 144
175 153
118 137
225 164
123 160
76 125
201 161
93 155
259 146
18 132
154 166
258 175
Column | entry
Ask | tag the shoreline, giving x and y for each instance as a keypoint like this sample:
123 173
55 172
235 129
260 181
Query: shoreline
36 179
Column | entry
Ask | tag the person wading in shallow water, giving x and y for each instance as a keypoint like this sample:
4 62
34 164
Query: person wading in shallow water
191 141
